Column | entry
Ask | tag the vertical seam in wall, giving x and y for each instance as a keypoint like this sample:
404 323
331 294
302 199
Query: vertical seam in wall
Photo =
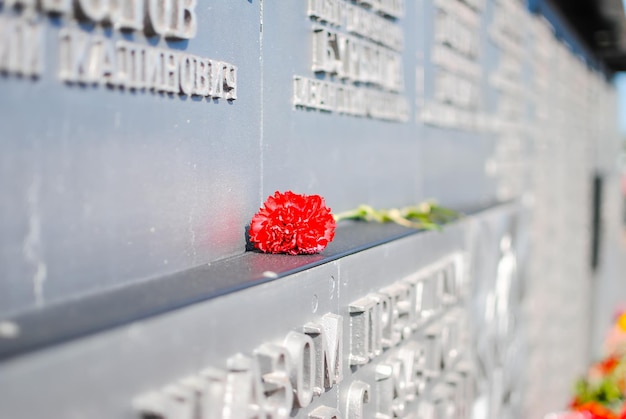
338 310
261 105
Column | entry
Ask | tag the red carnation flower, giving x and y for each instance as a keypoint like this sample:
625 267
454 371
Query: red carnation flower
292 223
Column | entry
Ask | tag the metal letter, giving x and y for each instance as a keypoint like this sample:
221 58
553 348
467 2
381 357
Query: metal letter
230 81
358 395
130 60
153 66
74 56
214 390
365 341
325 412
171 69
216 85
387 319
188 66
94 10
184 25
328 342
434 352
201 86
127 14
244 396
159 17
302 375
384 391
173 402
274 366
57 6
102 63
398 387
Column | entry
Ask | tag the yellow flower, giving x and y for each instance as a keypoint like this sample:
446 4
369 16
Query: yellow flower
621 322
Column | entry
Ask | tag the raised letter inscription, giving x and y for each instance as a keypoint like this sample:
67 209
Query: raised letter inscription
95 57
357 58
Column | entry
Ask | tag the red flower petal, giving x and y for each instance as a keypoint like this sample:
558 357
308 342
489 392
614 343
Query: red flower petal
608 365
292 223
595 410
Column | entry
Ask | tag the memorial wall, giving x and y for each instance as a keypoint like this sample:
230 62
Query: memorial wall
138 138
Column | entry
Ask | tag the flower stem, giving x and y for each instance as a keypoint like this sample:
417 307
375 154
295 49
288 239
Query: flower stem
426 215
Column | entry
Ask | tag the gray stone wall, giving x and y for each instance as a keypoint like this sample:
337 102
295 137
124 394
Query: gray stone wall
137 140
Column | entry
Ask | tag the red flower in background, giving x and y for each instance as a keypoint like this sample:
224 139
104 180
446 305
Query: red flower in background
595 410
292 223
608 365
